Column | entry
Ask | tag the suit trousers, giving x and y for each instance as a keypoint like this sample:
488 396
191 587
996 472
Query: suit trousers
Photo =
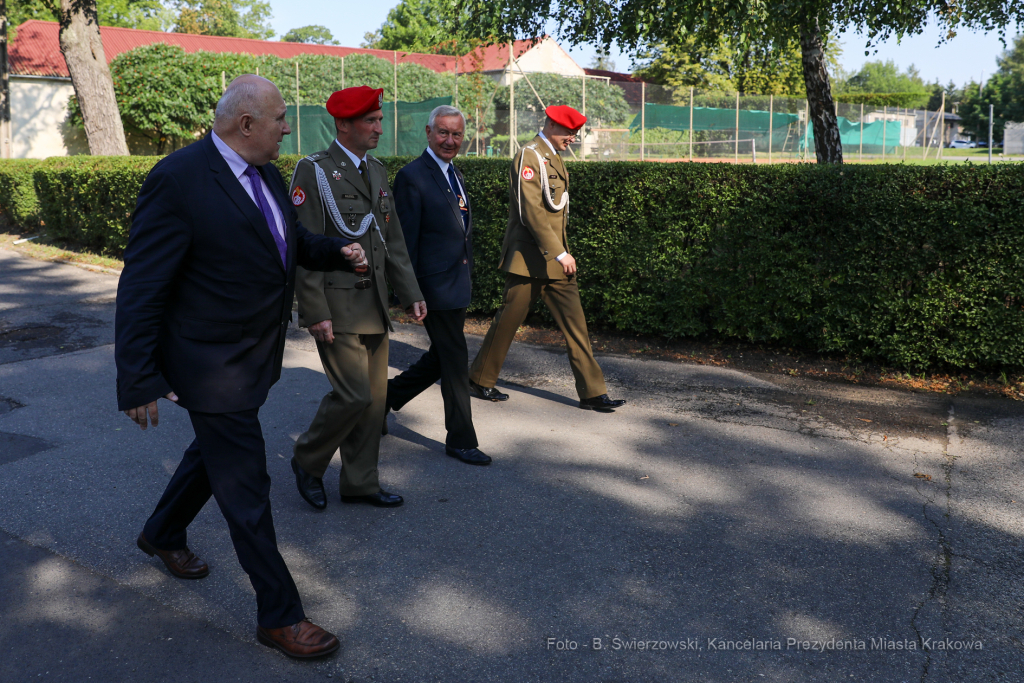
447 360
228 460
562 297
350 416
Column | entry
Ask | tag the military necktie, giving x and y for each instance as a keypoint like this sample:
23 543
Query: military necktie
463 206
365 172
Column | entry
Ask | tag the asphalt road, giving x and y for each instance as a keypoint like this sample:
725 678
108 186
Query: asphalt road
721 527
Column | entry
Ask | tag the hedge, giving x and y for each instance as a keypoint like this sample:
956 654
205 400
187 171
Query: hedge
910 266
19 206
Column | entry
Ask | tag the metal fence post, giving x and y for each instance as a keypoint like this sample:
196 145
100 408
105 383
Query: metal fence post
298 115
395 56
736 142
771 125
885 118
643 117
583 128
342 73
860 153
691 123
942 126
223 82
511 106
991 108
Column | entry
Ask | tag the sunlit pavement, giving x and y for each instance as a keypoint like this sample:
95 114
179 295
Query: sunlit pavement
720 527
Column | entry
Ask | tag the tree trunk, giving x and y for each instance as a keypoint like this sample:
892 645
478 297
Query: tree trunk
821 108
82 47
5 87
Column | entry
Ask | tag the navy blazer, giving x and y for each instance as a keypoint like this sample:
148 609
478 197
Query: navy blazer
204 300
440 246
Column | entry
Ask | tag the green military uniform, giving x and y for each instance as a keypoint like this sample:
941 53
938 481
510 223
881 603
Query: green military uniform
535 236
350 416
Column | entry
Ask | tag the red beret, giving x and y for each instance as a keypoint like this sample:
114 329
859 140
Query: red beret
567 116
352 102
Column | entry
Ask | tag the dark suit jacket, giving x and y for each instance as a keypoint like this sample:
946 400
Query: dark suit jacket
204 300
440 248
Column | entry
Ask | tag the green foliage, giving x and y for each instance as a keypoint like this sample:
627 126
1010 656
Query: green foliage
19 206
147 15
89 200
606 105
231 18
910 266
414 26
910 100
1004 89
762 70
313 34
882 77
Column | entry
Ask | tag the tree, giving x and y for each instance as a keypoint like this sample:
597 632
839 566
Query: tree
635 23
755 70
1004 90
231 18
313 34
412 26
602 61
82 47
148 15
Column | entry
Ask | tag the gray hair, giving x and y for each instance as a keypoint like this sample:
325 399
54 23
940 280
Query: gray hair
443 111
244 95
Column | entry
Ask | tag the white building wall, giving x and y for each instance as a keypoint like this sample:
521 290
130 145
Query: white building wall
38 113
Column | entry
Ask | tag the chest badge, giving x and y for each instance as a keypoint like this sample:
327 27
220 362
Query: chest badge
336 174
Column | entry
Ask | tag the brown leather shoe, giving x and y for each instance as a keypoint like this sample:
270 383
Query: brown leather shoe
302 640
182 563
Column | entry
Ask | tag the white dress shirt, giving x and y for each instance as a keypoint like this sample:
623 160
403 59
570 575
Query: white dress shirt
238 165
444 170
353 157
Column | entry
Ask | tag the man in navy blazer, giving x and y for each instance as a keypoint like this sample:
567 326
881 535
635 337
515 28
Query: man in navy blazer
433 209
203 303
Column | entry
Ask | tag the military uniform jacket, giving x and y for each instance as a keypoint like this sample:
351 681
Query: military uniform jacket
537 214
333 296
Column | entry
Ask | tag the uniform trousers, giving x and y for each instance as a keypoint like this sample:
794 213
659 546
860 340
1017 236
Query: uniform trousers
447 360
350 416
228 460
562 297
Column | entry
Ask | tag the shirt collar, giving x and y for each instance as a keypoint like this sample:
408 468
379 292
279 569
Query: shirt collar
545 139
440 162
355 160
235 162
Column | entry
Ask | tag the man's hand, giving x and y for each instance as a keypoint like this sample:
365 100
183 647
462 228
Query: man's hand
568 264
418 311
139 415
353 253
323 331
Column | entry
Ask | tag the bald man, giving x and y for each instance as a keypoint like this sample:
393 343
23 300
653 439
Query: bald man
202 307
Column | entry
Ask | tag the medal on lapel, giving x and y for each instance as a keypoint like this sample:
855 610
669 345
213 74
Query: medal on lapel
337 175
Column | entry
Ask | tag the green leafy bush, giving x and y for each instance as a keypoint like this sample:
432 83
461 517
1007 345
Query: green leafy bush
911 266
19 206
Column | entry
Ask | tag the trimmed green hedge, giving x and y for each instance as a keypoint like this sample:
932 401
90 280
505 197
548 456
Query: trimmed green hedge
911 266
19 206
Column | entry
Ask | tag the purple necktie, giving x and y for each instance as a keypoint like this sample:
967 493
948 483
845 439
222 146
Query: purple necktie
261 201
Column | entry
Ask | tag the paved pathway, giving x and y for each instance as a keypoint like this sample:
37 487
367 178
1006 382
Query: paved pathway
719 528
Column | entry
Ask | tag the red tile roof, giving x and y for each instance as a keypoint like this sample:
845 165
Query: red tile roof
493 57
613 75
36 49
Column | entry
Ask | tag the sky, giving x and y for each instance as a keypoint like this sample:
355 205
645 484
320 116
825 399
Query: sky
967 56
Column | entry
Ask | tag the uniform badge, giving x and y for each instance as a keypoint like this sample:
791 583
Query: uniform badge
336 174
298 196
383 193
380 100
528 173
343 164
462 202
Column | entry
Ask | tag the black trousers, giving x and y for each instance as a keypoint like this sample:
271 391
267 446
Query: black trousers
228 460
447 360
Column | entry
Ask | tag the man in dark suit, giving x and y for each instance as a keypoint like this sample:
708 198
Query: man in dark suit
433 208
202 307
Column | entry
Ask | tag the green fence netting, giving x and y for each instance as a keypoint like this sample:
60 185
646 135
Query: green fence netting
760 125
317 128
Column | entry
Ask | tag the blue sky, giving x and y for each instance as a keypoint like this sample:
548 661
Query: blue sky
966 57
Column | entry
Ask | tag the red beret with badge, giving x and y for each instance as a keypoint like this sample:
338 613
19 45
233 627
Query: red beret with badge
353 102
564 115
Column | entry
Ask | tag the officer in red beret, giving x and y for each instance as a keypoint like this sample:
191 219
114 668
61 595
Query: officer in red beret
343 191
535 257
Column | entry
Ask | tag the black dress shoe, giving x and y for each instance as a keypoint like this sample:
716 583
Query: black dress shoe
601 404
487 393
310 488
381 499
470 456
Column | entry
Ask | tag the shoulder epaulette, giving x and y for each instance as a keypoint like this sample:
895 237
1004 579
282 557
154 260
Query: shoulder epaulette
370 156
316 156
